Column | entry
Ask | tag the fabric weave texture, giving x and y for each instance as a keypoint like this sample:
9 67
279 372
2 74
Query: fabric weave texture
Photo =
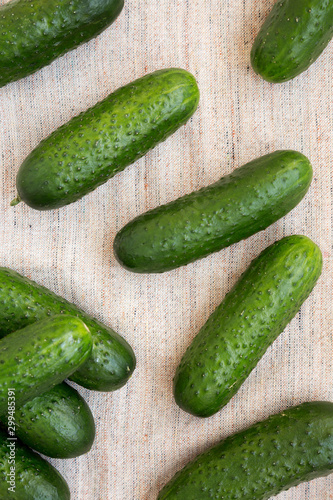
143 438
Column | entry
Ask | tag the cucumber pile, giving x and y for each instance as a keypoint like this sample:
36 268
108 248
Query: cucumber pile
44 339
23 302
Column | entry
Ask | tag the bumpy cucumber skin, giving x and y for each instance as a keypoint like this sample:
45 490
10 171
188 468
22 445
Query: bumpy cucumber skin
92 147
244 325
58 423
40 356
269 457
293 36
23 302
237 206
33 34
35 479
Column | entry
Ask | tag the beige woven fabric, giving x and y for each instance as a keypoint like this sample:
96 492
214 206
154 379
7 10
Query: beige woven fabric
142 436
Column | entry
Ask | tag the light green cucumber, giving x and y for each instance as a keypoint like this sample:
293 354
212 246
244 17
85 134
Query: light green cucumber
24 475
23 302
40 356
293 36
92 147
232 209
244 325
285 450
58 423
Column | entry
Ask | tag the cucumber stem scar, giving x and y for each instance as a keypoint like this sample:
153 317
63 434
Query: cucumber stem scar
15 201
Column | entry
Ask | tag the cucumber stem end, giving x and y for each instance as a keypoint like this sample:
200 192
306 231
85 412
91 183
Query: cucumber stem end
15 202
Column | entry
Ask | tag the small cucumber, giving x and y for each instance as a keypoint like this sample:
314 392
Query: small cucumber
58 423
92 147
269 457
293 36
24 475
23 302
244 325
235 207
40 356
33 34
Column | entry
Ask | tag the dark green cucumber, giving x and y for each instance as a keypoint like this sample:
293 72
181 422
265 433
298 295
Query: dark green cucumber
33 34
269 457
244 325
293 36
22 302
92 147
24 475
235 207
58 423
40 356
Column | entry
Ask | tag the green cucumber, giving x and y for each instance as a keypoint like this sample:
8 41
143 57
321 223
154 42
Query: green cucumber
23 302
33 34
92 147
251 316
58 423
271 456
235 207
40 356
293 36
24 475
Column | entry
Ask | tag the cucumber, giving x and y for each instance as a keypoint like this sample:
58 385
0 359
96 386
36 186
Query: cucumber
24 475
40 356
271 456
58 423
23 302
235 207
293 36
33 34
251 316
92 147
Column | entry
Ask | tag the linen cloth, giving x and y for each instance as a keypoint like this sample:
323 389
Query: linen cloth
143 438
